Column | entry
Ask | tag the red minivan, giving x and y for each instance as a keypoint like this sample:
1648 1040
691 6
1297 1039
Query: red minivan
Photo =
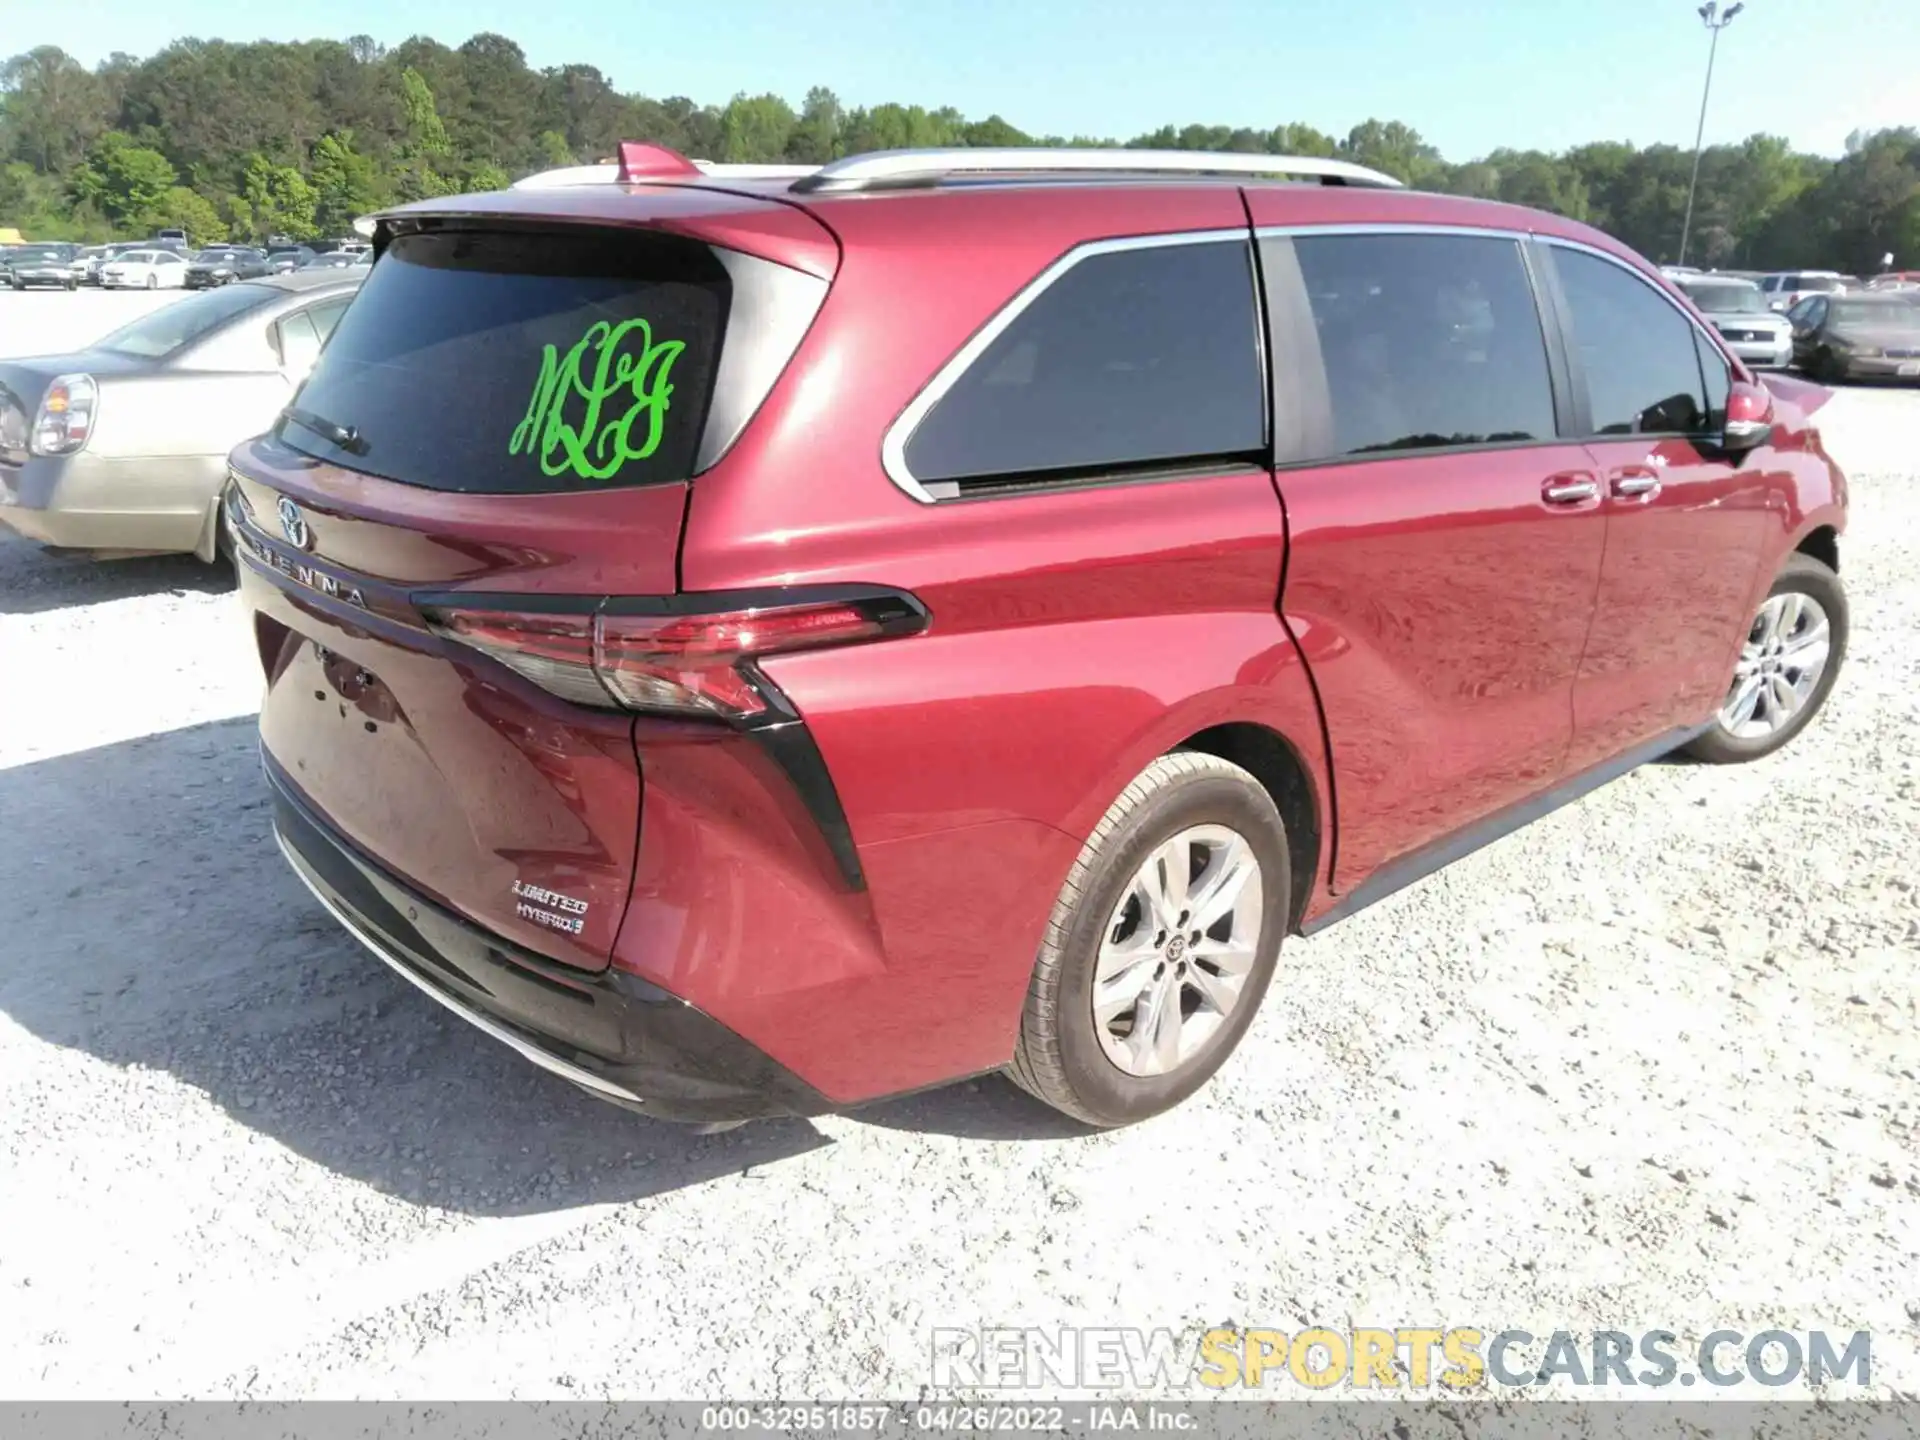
759 643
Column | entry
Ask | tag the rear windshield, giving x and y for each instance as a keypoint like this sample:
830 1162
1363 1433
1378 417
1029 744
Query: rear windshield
185 321
506 363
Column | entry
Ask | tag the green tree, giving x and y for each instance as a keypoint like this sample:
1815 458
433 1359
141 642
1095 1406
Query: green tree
486 176
281 200
188 210
502 112
755 129
346 184
51 109
816 135
122 180
424 147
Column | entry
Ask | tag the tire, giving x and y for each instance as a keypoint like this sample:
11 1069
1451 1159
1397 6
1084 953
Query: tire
1803 576
1063 1056
153 282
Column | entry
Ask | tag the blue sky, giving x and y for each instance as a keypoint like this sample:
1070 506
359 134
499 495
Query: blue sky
1470 75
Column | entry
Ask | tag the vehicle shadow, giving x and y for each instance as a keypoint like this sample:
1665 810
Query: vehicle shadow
148 919
991 1107
34 580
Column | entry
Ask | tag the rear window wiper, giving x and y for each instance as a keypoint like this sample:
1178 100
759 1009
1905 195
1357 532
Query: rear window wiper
344 437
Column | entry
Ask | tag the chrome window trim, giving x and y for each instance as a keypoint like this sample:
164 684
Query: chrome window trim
1713 337
893 444
1485 232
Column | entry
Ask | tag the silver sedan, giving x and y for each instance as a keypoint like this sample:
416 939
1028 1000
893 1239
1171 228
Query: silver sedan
121 449
1738 310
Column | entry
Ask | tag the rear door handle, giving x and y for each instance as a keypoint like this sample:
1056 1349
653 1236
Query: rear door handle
1570 489
1634 484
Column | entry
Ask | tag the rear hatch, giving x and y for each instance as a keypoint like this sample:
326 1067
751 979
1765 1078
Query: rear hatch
497 442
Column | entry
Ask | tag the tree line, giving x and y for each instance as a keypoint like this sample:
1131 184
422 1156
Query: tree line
242 141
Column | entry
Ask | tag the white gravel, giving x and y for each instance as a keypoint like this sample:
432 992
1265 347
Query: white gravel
1650 1063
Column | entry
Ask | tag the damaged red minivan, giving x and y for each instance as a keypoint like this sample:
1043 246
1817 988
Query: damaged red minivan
757 643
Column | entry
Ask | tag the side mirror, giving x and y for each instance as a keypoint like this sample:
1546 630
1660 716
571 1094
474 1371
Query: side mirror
1749 418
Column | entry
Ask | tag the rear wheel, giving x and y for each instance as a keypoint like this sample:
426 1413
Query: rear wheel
1160 945
1787 666
153 282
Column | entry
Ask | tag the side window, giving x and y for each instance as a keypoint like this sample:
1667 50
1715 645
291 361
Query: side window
1428 340
299 342
1130 357
1816 313
1719 380
326 315
1636 349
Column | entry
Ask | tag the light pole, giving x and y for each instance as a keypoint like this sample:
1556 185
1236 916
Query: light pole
1716 20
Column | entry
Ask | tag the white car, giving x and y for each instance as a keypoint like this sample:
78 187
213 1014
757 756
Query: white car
1787 288
144 270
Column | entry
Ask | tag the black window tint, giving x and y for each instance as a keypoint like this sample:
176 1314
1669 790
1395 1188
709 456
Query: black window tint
510 362
1428 340
1129 358
1636 349
1719 380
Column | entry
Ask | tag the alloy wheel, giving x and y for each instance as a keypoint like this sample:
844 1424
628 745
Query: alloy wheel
1177 950
1780 665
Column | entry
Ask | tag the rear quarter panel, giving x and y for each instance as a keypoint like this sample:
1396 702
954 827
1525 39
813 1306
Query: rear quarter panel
1075 636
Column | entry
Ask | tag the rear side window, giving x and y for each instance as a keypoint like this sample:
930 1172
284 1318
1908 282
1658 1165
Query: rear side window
1428 340
1635 348
507 363
1131 358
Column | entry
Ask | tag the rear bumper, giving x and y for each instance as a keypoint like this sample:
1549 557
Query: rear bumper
122 504
611 1033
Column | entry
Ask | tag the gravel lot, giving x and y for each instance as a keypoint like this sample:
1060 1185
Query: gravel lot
1650 1063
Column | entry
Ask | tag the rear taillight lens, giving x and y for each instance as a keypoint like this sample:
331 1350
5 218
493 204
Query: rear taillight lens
678 660
66 415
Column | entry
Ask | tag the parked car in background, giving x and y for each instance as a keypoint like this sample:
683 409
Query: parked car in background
170 240
1738 310
1152 536
1865 335
144 269
1895 280
282 258
1787 288
54 266
95 256
223 266
340 260
121 448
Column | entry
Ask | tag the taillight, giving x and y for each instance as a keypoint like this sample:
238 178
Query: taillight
678 657
66 415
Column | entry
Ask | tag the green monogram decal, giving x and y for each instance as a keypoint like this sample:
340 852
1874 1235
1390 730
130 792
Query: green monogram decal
610 366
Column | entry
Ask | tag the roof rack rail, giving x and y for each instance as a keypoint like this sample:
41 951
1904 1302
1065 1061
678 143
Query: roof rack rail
885 169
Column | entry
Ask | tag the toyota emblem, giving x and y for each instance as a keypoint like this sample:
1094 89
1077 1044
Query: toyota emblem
293 524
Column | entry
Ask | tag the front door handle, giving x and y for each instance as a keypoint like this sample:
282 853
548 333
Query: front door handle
1635 484
1570 489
